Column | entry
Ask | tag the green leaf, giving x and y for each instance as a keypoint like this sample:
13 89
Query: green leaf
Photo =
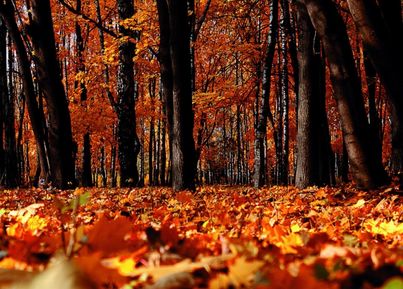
84 198
394 283
321 272
350 240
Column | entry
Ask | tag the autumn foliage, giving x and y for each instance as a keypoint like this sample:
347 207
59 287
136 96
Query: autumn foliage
218 237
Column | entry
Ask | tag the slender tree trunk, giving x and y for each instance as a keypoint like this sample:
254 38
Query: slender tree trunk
284 96
9 173
183 149
239 146
49 77
128 142
382 38
151 142
264 105
3 88
113 166
102 167
86 175
374 121
164 58
367 172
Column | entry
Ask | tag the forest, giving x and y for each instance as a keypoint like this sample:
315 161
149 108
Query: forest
201 144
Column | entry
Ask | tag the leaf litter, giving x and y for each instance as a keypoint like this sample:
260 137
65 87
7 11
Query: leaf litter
217 237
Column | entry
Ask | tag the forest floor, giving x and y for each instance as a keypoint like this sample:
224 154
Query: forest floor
218 237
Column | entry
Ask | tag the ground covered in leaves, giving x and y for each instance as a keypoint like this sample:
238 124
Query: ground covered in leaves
217 237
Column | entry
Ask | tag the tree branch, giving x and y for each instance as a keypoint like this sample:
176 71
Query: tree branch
87 18
202 19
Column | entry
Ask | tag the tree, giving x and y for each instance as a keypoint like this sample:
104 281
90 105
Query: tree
164 58
86 175
183 148
49 78
35 115
264 106
367 171
3 87
382 38
313 142
8 156
128 142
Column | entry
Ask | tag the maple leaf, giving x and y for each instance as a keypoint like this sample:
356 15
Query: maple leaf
108 236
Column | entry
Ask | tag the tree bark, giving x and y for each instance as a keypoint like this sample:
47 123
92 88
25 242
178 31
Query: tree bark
183 148
284 96
3 88
374 120
164 58
367 172
128 142
49 78
382 38
264 105
313 143
86 174
38 127
8 154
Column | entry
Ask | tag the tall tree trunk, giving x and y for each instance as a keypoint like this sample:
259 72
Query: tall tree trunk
3 88
102 166
183 148
164 58
35 115
151 142
264 105
86 176
382 38
284 95
113 166
367 172
163 159
49 77
9 172
313 155
128 142
374 121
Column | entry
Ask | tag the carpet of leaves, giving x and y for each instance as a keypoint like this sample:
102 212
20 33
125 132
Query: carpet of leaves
217 237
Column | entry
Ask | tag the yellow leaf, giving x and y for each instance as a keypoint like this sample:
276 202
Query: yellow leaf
360 203
295 228
241 272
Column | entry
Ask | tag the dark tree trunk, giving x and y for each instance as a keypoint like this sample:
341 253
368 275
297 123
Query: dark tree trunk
49 77
374 121
382 38
152 178
128 142
35 115
113 166
86 176
102 167
264 105
163 158
238 146
313 142
164 58
3 88
367 171
183 148
8 173
284 96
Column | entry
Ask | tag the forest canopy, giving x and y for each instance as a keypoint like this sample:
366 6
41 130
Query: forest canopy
110 93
